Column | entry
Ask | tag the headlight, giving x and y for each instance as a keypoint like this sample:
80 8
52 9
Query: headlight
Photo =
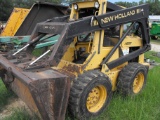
96 5
75 6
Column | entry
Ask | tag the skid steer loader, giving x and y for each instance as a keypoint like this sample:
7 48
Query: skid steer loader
94 56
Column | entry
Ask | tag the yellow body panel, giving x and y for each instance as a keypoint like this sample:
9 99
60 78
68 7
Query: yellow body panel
88 4
141 59
113 74
133 41
15 20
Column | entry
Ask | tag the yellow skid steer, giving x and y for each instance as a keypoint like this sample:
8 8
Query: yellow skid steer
94 56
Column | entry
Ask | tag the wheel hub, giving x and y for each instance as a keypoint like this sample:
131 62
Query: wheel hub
138 82
96 98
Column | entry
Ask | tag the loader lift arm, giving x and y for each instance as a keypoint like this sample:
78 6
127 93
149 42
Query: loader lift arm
69 30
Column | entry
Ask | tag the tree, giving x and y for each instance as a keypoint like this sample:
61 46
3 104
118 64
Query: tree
23 3
126 4
29 3
6 7
154 6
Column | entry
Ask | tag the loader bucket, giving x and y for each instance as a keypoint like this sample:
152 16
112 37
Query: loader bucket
45 92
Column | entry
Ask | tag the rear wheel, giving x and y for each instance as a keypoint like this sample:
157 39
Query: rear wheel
132 79
154 37
90 94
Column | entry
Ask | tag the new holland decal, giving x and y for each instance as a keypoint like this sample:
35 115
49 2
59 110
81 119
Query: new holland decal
120 16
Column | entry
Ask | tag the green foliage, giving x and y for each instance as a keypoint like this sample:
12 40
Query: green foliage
6 7
23 3
29 3
127 4
53 1
154 6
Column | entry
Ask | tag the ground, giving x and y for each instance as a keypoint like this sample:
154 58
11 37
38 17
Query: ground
13 103
155 47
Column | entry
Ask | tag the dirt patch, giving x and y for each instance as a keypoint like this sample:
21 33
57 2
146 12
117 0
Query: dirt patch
13 103
155 47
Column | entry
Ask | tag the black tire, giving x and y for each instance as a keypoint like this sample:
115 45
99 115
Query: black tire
132 79
81 90
154 37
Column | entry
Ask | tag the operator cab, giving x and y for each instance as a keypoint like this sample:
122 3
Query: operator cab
83 43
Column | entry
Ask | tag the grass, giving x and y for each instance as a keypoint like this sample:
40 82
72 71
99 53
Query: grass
21 114
5 95
145 106
152 56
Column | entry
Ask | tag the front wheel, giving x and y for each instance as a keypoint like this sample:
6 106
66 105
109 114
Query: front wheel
90 94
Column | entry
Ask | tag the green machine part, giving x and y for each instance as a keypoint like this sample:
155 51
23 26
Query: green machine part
155 30
15 42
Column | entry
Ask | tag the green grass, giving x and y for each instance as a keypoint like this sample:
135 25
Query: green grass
145 106
152 56
5 95
21 114
38 52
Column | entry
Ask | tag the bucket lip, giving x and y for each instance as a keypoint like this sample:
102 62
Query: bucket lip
48 74
27 77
